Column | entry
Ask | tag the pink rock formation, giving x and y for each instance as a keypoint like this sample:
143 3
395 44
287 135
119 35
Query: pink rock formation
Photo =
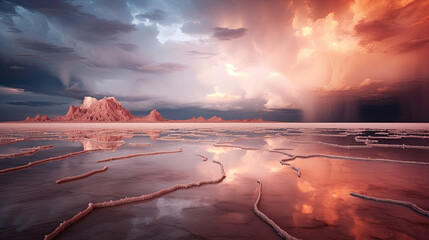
215 119
38 118
107 109
154 116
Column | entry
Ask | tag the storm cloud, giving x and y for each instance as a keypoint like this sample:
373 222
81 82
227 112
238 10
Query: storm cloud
228 34
334 60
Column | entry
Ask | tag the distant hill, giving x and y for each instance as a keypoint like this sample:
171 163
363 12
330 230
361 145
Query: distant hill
109 109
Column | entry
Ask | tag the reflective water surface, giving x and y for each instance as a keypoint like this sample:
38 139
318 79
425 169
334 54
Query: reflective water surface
316 205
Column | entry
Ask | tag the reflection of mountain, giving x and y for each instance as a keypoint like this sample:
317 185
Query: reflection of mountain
91 144
109 109
101 139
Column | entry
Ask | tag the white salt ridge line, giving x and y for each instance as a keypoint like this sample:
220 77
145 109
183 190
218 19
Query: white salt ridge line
31 164
74 178
235 146
413 206
403 146
416 136
28 151
381 133
183 139
187 135
204 157
316 134
139 155
98 141
242 138
140 144
284 153
330 144
327 135
282 233
366 141
293 157
298 172
12 141
392 137
122 201
410 136
231 141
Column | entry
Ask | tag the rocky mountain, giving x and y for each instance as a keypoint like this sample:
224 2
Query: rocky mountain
153 116
38 118
109 109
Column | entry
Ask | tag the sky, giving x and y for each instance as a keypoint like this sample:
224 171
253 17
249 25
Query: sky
282 60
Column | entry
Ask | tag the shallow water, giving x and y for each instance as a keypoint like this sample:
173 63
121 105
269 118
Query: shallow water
316 205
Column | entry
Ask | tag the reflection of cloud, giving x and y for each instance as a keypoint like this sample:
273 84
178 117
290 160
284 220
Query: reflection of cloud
306 209
305 187
175 206
252 163
217 150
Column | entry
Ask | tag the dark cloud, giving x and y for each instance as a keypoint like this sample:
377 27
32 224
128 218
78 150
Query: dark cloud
14 30
140 66
7 8
154 15
43 46
47 51
161 67
202 55
224 34
319 9
35 103
35 80
84 26
375 30
127 46
17 67
406 101
412 45
32 78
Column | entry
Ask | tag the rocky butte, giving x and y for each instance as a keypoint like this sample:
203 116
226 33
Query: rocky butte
108 109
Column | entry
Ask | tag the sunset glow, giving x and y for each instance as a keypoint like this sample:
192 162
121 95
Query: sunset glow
348 58
214 119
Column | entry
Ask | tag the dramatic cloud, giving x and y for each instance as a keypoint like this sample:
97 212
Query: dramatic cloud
43 46
162 68
127 46
198 54
333 60
155 15
227 33
35 103
85 26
